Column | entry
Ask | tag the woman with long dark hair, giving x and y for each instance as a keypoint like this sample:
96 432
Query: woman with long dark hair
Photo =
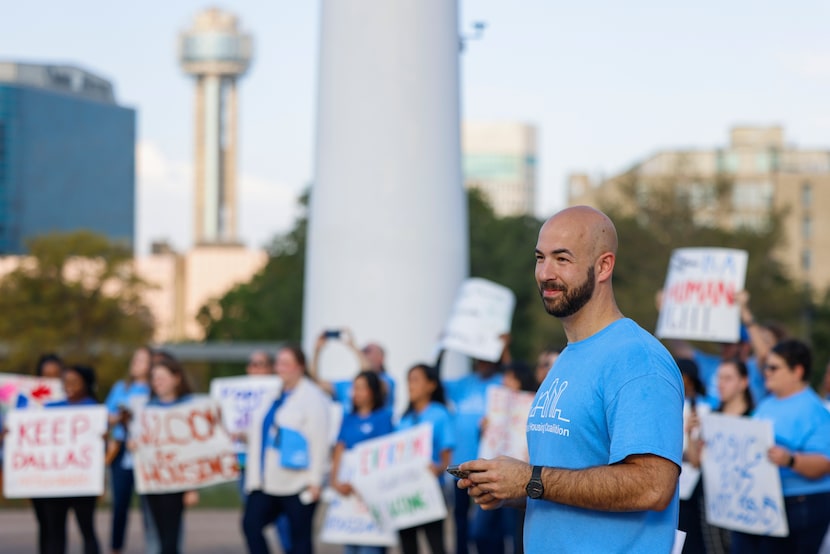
427 405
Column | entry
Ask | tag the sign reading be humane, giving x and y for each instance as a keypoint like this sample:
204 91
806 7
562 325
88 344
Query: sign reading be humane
182 447
741 486
699 295
54 452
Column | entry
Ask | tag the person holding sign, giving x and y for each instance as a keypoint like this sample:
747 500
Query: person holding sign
288 450
79 386
368 419
426 405
605 431
125 393
169 387
802 451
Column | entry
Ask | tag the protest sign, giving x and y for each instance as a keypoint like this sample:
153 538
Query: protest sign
241 397
482 312
741 486
55 452
182 447
699 295
393 477
349 521
34 390
505 432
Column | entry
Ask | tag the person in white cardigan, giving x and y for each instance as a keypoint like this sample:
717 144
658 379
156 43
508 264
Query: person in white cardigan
288 455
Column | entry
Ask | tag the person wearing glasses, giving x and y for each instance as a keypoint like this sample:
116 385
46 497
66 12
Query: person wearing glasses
801 425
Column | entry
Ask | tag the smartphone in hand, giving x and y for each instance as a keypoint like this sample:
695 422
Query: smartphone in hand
332 334
458 473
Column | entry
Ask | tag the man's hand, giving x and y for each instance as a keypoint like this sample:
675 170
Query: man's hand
493 482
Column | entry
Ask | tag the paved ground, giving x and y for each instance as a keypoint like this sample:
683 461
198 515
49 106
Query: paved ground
207 532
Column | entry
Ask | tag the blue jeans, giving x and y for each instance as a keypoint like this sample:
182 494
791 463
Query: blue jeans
122 494
262 509
281 523
461 515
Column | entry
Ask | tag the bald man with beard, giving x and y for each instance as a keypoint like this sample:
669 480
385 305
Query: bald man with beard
605 431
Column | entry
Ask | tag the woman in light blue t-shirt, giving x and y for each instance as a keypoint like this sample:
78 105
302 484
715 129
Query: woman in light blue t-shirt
426 405
802 451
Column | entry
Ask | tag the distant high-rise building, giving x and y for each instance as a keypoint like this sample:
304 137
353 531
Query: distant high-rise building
500 160
763 174
216 53
67 155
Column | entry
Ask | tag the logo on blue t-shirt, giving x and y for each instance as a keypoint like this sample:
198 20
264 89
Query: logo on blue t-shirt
545 407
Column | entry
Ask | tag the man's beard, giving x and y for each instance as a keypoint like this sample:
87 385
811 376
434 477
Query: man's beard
571 300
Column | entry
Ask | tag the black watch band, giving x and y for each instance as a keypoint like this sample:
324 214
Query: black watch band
535 488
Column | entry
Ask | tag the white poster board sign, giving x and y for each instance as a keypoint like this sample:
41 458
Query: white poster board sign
36 390
242 397
699 295
506 431
394 479
182 447
349 521
741 486
56 452
482 312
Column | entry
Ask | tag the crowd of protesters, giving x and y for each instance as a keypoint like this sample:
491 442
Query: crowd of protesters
764 375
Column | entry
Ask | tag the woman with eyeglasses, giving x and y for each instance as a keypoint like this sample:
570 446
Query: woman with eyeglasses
801 425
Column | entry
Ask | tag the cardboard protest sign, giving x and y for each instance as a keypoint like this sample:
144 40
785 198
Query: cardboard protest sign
241 397
741 486
55 452
349 521
505 432
35 390
182 447
699 295
482 312
393 477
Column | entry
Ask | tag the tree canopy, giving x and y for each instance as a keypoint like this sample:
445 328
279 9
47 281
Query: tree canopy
77 294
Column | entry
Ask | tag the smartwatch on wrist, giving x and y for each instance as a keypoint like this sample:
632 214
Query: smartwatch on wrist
535 489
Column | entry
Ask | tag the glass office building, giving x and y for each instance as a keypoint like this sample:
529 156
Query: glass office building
67 155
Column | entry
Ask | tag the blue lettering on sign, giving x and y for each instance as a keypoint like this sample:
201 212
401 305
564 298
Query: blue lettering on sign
736 498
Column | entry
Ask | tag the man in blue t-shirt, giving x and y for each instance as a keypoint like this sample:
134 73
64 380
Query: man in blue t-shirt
605 432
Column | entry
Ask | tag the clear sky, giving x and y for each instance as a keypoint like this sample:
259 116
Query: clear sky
607 83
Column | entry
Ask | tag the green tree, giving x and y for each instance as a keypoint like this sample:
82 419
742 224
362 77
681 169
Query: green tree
76 294
669 216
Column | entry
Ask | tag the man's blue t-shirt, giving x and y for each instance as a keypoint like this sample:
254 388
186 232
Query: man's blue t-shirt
612 395
801 424
469 403
357 428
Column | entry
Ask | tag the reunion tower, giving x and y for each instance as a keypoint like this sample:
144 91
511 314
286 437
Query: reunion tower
216 53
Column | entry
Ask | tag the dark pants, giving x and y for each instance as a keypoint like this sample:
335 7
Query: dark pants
434 532
122 482
461 515
808 518
167 510
262 509
53 512
489 529
690 521
37 506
